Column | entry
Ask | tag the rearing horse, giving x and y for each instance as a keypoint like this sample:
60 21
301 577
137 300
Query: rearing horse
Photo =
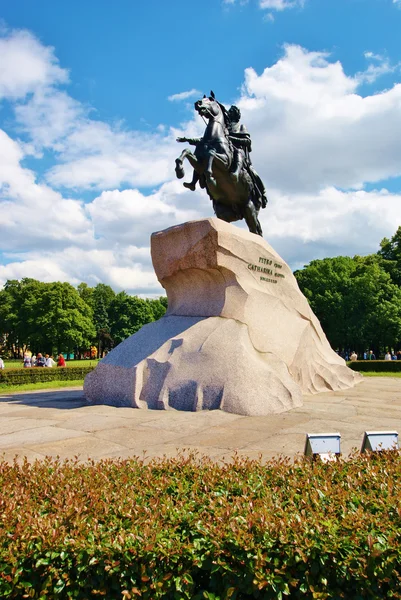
212 159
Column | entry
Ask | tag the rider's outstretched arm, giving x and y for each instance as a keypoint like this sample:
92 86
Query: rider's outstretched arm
192 141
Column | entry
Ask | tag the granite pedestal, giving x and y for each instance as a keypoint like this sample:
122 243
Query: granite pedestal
238 335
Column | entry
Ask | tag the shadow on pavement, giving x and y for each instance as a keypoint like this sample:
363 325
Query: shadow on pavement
63 399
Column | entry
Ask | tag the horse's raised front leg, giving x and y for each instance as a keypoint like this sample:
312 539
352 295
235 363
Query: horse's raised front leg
179 169
251 218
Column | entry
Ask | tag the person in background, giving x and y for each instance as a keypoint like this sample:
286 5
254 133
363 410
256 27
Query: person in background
49 362
394 357
1 363
33 360
27 360
354 356
371 355
60 361
387 355
40 360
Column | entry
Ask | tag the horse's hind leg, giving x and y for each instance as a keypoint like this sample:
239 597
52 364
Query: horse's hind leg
251 218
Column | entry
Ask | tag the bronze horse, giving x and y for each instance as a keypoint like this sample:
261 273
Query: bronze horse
233 198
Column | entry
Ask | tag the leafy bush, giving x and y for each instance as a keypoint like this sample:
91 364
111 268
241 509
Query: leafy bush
388 366
42 374
191 529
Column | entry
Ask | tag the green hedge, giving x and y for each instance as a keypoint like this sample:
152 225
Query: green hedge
389 366
42 374
185 528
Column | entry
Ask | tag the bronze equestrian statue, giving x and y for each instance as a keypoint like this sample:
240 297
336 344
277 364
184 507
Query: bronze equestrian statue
222 165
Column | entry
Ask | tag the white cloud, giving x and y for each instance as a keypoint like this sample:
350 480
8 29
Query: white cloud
331 223
26 65
379 65
34 215
369 54
120 267
44 267
120 216
97 155
89 153
313 133
280 5
269 17
231 2
184 95
50 116
49 237
272 5
311 129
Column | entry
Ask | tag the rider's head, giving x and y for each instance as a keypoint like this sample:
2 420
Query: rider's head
234 114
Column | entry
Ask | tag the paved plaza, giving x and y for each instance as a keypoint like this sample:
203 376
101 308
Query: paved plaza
58 423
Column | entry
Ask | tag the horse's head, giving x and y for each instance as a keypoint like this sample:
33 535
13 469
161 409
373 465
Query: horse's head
208 107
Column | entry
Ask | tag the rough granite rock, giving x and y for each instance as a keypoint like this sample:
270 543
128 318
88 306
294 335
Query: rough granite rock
239 335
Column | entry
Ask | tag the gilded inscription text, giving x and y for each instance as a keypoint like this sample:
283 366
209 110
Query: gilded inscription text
266 270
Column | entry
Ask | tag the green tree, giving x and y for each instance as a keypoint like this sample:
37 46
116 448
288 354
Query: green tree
102 326
375 305
102 297
86 293
54 316
17 315
326 284
158 306
63 320
104 293
9 318
356 301
390 253
127 315
45 316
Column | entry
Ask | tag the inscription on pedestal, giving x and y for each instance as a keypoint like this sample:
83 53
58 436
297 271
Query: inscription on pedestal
272 269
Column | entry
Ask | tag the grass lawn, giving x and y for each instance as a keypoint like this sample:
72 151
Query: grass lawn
379 374
48 385
18 364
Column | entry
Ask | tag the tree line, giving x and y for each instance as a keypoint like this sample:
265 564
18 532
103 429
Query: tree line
358 300
57 317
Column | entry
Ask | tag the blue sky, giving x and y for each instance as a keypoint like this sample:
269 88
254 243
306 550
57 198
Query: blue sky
87 128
